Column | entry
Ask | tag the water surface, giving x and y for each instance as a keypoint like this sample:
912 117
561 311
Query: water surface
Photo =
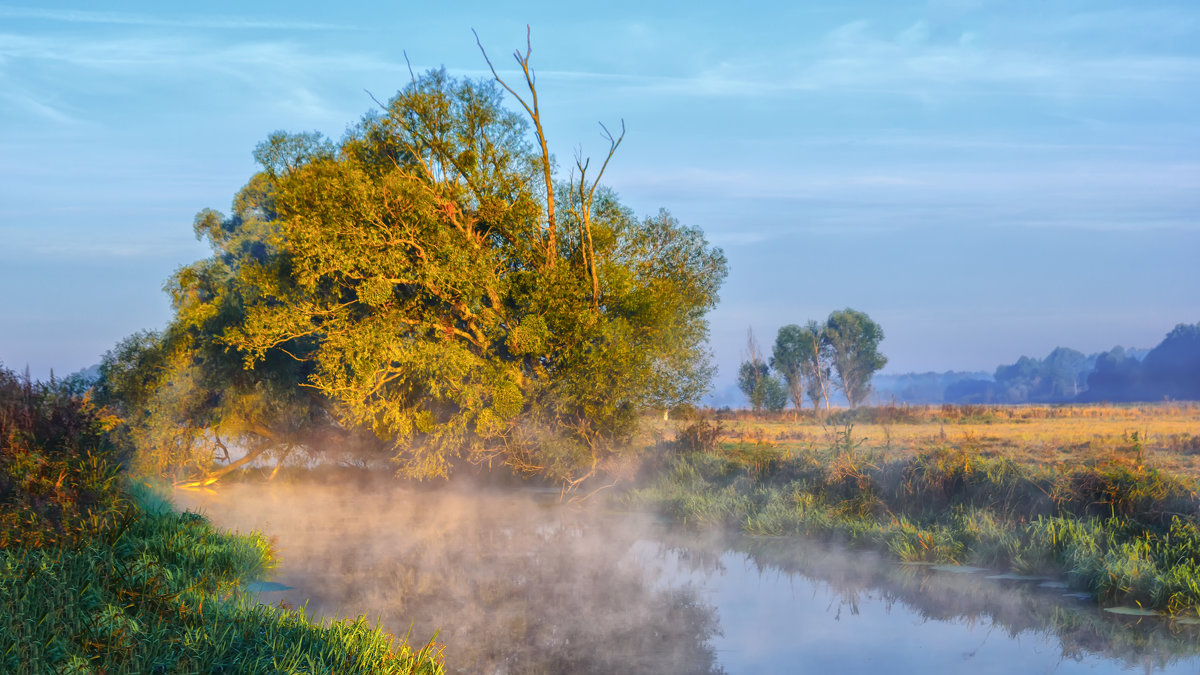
513 582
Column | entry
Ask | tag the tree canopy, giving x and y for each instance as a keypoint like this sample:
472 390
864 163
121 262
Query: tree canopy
409 282
807 356
801 356
854 341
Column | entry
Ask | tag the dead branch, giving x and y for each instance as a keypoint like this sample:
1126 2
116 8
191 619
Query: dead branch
534 114
585 207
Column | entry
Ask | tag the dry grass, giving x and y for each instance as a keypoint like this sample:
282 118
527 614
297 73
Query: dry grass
1165 435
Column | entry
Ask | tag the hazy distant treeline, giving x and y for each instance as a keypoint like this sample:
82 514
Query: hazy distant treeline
1169 370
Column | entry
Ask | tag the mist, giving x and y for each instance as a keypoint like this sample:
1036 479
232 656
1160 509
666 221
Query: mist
510 582
515 581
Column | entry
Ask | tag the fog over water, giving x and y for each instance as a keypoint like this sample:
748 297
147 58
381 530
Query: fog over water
514 582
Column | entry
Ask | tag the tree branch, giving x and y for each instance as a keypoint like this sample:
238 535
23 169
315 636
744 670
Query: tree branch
531 108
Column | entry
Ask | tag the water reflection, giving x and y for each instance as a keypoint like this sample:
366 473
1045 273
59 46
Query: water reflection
519 584
514 585
1012 620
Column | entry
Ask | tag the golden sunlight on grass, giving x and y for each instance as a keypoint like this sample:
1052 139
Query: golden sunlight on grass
1166 435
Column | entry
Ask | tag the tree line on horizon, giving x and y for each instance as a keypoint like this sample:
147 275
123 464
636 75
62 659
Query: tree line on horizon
1171 370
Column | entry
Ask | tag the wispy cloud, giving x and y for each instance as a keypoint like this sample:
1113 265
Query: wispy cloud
282 75
166 53
182 21
31 104
921 59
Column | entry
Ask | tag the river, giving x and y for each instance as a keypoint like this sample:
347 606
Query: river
514 582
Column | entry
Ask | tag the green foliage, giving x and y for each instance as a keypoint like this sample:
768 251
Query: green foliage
761 387
854 341
58 473
798 357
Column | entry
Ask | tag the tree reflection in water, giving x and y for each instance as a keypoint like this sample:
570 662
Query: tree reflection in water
513 585
518 584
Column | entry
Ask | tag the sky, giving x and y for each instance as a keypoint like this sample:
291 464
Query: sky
984 179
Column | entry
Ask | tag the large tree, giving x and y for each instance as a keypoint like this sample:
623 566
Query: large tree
853 339
409 281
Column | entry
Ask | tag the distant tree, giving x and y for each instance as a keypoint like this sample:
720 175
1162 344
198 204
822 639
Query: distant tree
1116 377
1064 374
789 358
762 388
854 340
1018 380
971 392
1060 377
802 358
1172 369
818 367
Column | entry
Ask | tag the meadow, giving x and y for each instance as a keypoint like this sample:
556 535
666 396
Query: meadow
1167 434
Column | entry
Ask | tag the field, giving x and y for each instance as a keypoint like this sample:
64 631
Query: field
1167 435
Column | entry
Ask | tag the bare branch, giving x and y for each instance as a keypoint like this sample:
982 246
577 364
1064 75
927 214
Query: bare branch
531 108
377 101
586 196
412 76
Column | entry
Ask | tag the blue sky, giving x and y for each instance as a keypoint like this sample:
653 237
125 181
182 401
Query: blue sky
985 179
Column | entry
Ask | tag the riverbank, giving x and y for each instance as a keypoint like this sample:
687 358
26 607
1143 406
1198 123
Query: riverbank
98 574
1116 526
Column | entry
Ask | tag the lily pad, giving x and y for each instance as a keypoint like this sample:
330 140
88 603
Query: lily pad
1054 584
1187 621
958 569
267 586
1131 611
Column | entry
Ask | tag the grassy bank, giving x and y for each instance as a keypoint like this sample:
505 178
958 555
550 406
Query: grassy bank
1114 525
98 576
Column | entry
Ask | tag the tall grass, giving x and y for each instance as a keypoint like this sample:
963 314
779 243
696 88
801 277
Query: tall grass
1127 532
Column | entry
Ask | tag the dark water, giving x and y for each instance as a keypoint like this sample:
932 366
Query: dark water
517 583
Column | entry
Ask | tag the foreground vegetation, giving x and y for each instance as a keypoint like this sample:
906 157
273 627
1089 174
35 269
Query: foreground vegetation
96 576
1116 525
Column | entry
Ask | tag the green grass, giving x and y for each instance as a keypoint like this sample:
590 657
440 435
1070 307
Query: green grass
99 576
162 593
1123 531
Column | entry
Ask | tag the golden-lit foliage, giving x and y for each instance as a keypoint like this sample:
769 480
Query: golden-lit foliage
409 289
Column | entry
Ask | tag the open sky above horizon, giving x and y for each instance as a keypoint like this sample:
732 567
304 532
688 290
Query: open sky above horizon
985 179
